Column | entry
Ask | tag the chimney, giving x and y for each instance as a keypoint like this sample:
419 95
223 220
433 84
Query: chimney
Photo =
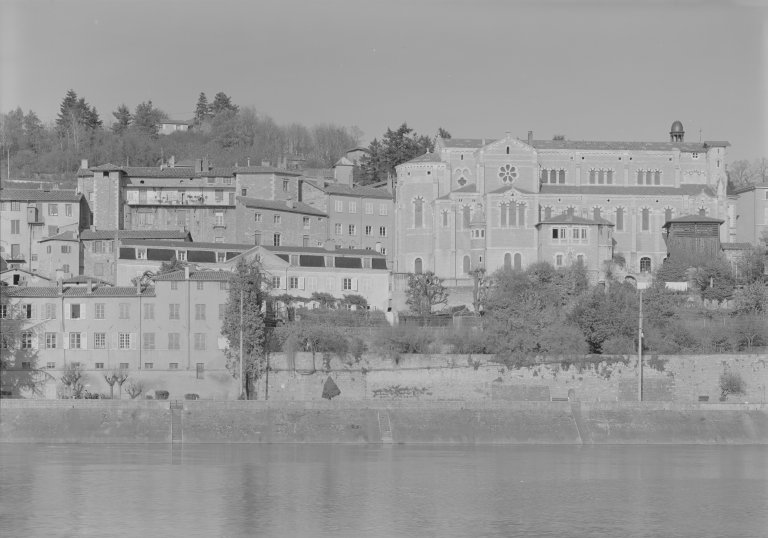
60 284
249 161
264 162
186 272
89 286
530 138
84 164
138 285
290 203
172 161
198 165
206 166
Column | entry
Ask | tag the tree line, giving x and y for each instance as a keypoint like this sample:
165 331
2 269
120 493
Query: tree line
225 132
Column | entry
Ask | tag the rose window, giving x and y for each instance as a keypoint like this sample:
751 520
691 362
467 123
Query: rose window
508 173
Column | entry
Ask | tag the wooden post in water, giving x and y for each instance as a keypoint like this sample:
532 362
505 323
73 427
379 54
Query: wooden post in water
241 343
640 353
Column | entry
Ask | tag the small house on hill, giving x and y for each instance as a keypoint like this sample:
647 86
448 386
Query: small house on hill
693 235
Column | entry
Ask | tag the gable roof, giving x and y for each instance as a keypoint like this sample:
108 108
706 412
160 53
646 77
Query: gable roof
324 251
6 270
344 162
175 122
185 245
264 170
426 158
38 195
280 205
565 218
361 191
693 218
466 189
220 276
64 236
475 143
88 235
83 279
506 188
472 143
78 291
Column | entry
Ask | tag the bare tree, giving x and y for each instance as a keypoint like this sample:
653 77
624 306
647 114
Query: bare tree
73 376
731 383
740 173
110 376
121 375
134 388
760 168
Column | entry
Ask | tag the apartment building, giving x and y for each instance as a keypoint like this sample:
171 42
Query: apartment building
751 213
280 223
60 255
168 335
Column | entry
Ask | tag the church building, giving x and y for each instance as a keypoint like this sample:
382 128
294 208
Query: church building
493 203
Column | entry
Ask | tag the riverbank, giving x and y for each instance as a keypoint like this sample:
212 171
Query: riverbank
366 422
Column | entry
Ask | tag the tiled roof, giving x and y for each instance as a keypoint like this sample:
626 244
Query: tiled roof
466 142
264 170
176 122
694 218
321 250
186 162
78 291
506 188
88 235
466 189
83 279
195 275
762 185
187 245
358 148
64 236
84 172
736 246
618 190
361 191
565 218
40 195
23 271
588 145
716 143
344 162
280 205
426 158
324 173
108 167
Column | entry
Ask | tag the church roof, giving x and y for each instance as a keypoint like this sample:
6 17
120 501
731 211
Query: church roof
592 145
426 158
505 188
677 127
467 188
618 190
693 218
565 218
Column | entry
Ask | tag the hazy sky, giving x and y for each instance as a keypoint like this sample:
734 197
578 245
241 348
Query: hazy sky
589 70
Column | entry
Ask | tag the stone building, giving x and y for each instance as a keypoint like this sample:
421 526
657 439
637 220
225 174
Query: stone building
517 184
751 214
279 222
28 216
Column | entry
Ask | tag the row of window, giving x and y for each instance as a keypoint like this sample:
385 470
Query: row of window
278 219
171 196
120 341
53 209
645 216
352 207
123 365
352 229
578 235
310 283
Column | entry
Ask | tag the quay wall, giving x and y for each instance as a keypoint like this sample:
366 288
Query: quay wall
375 422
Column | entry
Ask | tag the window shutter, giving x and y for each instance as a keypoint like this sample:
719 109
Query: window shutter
40 341
222 342
83 340
67 312
65 340
283 283
114 340
354 284
302 281
34 312
53 310
82 310
133 340
35 342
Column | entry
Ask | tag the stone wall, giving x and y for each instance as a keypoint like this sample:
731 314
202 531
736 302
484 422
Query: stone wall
477 378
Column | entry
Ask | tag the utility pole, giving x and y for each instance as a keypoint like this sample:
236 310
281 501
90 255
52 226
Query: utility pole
241 343
640 353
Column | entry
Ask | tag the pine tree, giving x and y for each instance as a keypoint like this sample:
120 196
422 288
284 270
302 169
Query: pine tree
147 118
442 133
222 102
124 119
203 110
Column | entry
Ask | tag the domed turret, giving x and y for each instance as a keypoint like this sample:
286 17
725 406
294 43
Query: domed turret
676 133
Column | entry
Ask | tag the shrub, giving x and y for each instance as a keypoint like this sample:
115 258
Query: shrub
161 394
394 341
731 383
191 396
467 341
357 347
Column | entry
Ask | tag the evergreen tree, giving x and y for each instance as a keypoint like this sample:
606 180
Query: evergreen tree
372 166
147 118
124 119
222 102
33 130
442 133
249 279
202 110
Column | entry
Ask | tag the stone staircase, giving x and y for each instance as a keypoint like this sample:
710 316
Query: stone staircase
176 408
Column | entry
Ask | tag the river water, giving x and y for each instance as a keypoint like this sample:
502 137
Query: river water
424 491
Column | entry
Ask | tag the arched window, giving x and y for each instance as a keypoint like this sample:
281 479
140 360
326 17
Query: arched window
417 265
418 213
600 177
507 150
657 178
646 220
518 262
648 178
547 213
639 177
503 211
462 157
520 215
571 210
466 265
592 175
465 217
703 212
609 177
596 213
718 163
667 215
445 219
507 261
620 219
645 265
561 175
512 214
553 176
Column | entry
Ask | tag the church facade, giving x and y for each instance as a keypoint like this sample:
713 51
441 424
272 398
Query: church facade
485 203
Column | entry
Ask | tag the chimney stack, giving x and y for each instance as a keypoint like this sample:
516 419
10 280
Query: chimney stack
61 286
249 161
186 272
530 138
198 165
89 286
206 165
172 161
264 162
84 164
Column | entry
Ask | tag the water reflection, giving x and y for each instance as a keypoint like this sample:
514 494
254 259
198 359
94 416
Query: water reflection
326 490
